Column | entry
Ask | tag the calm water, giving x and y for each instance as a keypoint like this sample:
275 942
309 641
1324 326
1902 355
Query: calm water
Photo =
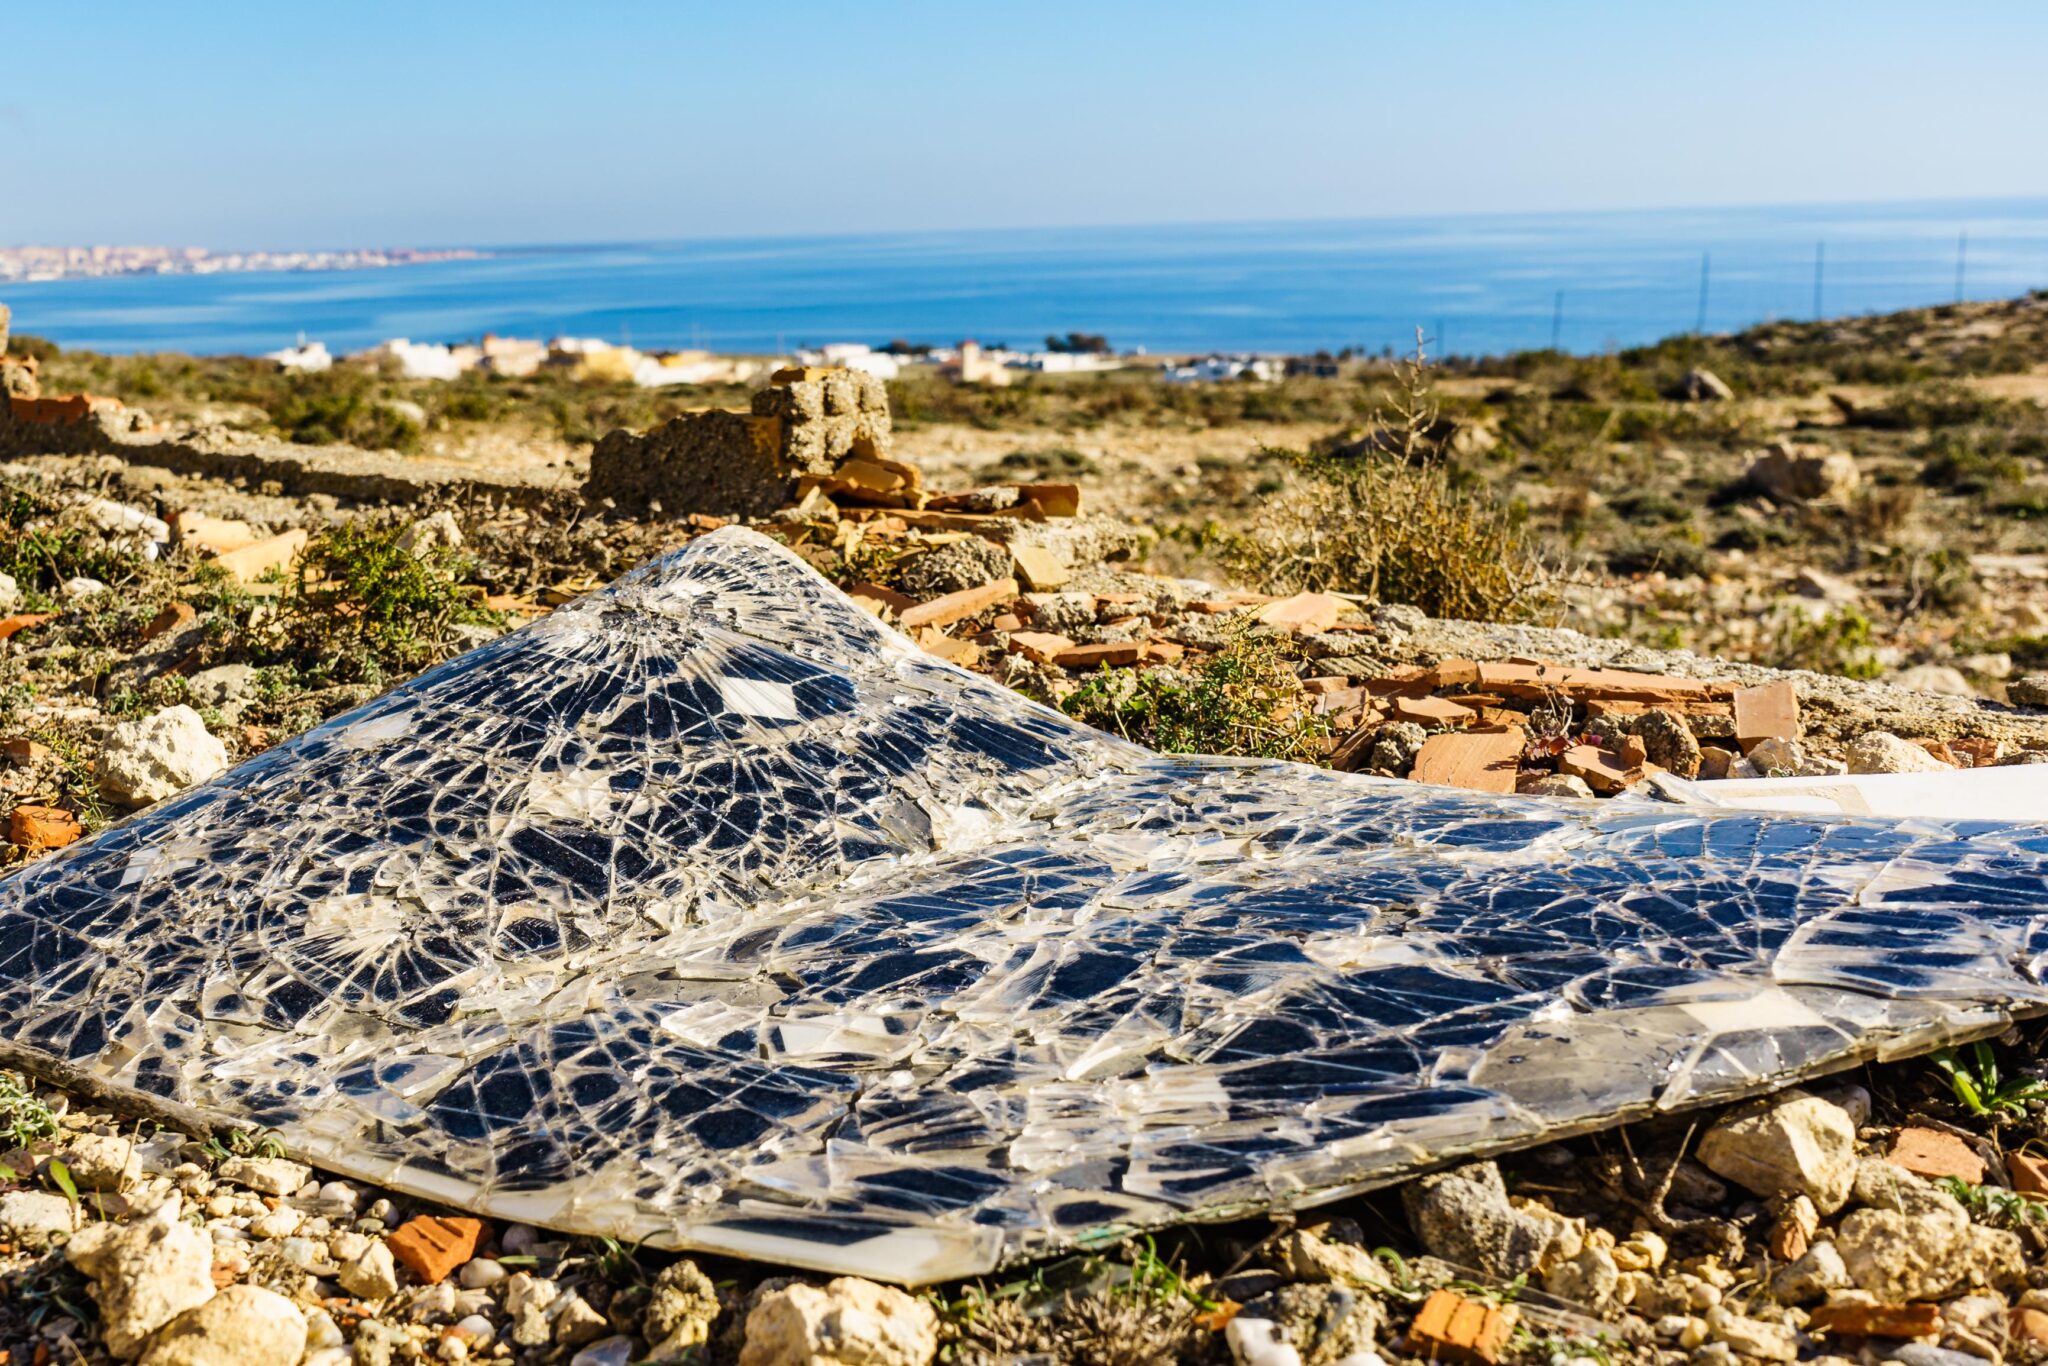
1486 284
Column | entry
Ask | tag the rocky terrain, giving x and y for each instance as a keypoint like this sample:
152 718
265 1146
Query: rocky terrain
1839 504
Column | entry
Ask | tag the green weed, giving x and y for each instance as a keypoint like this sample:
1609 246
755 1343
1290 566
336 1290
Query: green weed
1974 1078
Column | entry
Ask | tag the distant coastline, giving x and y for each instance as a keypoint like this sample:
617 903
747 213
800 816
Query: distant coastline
1476 284
37 264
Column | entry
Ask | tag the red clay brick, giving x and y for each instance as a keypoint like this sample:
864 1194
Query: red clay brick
431 1247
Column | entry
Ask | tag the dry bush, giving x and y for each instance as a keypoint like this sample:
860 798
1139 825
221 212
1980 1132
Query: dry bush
1397 525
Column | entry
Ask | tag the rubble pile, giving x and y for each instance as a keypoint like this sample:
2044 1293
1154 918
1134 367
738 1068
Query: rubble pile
1848 1221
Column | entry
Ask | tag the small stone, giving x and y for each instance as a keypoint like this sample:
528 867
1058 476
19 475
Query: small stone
1795 1143
611 1351
1590 1278
847 1322
277 1176
281 1222
1553 785
1463 1216
1924 1256
682 1304
576 1323
480 1273
221 685
1938 679
1882 752
1668 742
81 587
98 1162
146 1272
1753 1337
2028 691
33 1218
244 1325
436 531
475 1329
373 1275
1306 1256
1818 1273
1322 1323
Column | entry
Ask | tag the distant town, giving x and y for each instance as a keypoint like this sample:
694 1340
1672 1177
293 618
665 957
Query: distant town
593 358
62 263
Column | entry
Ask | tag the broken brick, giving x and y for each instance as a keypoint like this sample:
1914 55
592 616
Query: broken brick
1916 1320
1053 500
213 534
935 642
252 562
22 621
1770 712
1042 646
42 827
1310 613
23 750
1094 656
2029 1175
1934 1154
1038 568
1600 769
1477 760
1430 711
2030 1324
1450 1327
879 600
175 617
944 611
431 1246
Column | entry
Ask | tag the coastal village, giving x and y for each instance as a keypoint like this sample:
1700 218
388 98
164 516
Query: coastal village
187 592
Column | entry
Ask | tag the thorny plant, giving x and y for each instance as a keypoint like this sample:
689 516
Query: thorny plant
1089 1309
1244 700
1978 1086
23 1117
244 1143
1392 518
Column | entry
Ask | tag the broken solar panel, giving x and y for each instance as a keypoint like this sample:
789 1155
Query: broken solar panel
707 911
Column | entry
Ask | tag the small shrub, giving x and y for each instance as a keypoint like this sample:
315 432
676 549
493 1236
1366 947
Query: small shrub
1395 520
359 605
339 406
1244 700
1838 643
1679 556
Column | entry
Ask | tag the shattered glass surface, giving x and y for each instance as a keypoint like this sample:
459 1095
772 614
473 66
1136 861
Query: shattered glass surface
709 912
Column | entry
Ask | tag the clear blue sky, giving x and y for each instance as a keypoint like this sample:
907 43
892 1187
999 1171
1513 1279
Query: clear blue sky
280 124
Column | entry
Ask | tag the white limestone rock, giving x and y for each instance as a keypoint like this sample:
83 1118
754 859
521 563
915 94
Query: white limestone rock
847 1322
154 757
1795 1143
145 1273
244 1325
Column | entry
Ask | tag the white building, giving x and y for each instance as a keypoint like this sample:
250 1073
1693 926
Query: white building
421 360
854 356
307 358
1210 369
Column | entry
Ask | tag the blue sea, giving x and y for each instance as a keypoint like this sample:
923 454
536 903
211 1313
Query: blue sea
1476 284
